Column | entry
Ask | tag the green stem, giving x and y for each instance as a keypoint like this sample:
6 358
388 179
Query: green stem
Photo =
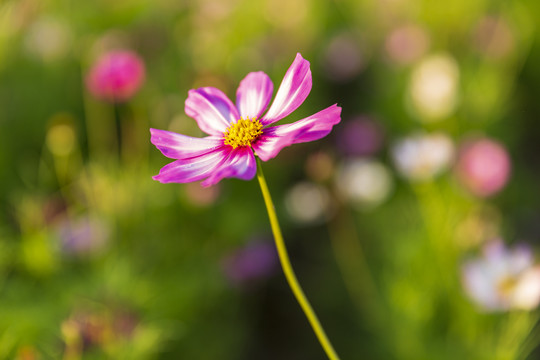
288 270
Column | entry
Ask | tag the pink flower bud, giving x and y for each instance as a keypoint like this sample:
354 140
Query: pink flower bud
116 76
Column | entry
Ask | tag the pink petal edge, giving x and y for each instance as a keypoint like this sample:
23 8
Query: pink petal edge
312 128
178 146
193 169
254 94
292 92
212 110
240 164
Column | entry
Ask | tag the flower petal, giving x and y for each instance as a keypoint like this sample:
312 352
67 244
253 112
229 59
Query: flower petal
212 110
315 127
193 169
292 92
526 295
480 285
240 164
254 94
177 146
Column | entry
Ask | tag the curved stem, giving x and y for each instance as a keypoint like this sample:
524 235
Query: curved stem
288 270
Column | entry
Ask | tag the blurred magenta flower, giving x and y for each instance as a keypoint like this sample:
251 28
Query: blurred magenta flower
236 132
483 166
503 279
116 76
256 261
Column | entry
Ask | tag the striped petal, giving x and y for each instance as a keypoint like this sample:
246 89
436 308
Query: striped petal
212 110
292 92
315 127
254 94
240 164
177 146
194 169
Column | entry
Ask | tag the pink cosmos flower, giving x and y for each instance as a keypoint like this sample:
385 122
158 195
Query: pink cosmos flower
237 133
116 76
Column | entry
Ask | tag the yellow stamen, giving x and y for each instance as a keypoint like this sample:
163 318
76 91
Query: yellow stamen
507 285
243 132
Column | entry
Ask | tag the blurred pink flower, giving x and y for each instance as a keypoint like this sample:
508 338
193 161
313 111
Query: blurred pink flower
237 132
407 43
483 166
116 76
503 279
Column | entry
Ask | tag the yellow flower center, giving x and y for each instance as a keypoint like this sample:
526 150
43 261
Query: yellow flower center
243 132
507 285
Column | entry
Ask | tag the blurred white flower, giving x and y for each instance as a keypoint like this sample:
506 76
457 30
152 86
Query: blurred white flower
364 182
48 38
421 157
254 262
433 87
307 202
503 279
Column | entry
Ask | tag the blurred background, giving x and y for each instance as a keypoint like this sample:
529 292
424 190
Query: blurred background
413 227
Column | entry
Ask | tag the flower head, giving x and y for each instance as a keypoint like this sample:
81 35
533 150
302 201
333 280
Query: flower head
236 133
503 279
116 76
